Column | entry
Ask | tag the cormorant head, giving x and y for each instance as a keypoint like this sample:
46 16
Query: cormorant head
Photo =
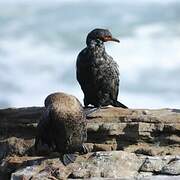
102 35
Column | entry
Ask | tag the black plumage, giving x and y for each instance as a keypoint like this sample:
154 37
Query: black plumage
97 72
63 124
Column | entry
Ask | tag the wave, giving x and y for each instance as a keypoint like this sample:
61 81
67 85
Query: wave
74 1
39 46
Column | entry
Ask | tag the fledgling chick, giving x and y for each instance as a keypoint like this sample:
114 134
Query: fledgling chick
63 126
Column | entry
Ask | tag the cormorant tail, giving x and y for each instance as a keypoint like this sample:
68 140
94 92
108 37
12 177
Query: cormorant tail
118 104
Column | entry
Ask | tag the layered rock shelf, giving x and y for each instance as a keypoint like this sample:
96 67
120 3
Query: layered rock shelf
125 143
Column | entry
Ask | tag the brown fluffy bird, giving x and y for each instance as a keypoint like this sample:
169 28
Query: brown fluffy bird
63 126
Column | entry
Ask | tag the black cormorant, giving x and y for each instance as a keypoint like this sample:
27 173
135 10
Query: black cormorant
97 72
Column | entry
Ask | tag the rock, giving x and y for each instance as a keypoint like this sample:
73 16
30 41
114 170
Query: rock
46 169
157 177
153 164
172 168
153 132
112 164
15 145
162 165
26 173
147 137
109 165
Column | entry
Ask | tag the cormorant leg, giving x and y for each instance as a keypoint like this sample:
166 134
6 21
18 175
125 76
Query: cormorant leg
85 103
36 143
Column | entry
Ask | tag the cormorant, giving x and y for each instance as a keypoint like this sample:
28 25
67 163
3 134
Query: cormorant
63 126
97 72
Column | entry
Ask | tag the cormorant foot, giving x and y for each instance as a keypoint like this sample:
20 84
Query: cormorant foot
68 158
92 110
85 149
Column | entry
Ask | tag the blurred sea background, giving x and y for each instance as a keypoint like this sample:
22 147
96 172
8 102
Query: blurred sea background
40 40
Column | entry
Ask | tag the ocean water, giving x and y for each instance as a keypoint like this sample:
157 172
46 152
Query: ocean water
39 43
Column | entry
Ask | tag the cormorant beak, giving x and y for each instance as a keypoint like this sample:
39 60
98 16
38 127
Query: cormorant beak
110 39
114 39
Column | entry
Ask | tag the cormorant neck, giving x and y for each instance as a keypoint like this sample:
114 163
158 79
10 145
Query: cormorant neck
95 44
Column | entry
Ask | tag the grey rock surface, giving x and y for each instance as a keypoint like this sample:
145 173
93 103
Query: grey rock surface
173 167
109 165
127 144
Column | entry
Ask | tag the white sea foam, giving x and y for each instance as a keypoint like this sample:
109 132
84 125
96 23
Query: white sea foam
35 70
150 67
39 46
72 1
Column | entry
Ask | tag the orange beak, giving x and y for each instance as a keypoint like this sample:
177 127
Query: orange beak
110 39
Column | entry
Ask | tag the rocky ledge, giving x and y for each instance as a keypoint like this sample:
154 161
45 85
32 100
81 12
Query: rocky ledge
125 143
